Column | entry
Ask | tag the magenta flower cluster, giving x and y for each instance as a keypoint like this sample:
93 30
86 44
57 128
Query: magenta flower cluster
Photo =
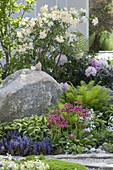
55 119
78 109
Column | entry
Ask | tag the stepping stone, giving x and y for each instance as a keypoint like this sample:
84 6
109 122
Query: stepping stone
93 161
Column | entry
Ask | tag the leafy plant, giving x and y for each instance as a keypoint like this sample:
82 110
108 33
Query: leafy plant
92 96
34 127
75 133
9 26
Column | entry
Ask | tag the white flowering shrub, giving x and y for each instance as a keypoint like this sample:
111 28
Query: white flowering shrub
28 165
48 37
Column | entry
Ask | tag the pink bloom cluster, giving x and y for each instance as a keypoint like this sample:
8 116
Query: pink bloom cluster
78 109
95 66
57 120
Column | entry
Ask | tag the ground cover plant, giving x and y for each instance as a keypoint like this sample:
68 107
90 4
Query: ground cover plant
36 163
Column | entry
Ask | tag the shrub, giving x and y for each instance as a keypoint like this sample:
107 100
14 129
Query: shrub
49 38
9 20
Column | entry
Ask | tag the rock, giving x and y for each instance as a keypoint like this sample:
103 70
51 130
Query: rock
27 92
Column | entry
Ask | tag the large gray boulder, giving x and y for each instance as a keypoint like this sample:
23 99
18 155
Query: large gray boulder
27 92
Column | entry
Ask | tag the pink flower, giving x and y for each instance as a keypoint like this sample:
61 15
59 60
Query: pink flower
77 109
68 106
72 136
57 120
80 103
90 71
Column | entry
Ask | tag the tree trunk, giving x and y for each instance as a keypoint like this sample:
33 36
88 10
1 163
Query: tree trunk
96 44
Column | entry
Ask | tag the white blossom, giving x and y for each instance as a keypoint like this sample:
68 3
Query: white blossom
59 39
43 34
95 21
33 68
44 8
19 34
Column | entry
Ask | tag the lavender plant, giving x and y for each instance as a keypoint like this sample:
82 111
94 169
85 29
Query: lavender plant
43 147
15 144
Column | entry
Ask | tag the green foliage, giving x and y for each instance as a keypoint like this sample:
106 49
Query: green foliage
106 41
34 127
9 25
102 9
92 96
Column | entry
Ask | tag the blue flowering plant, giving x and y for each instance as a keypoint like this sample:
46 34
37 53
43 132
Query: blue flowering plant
16 144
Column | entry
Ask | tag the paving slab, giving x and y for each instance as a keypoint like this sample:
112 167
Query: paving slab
93 161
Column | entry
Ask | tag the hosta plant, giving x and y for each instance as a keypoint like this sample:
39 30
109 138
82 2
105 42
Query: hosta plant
34 127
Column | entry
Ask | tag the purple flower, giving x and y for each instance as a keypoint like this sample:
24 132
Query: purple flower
61 59
94 62
64 86
90 71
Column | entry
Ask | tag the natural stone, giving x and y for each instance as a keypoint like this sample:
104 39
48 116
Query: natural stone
27 92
